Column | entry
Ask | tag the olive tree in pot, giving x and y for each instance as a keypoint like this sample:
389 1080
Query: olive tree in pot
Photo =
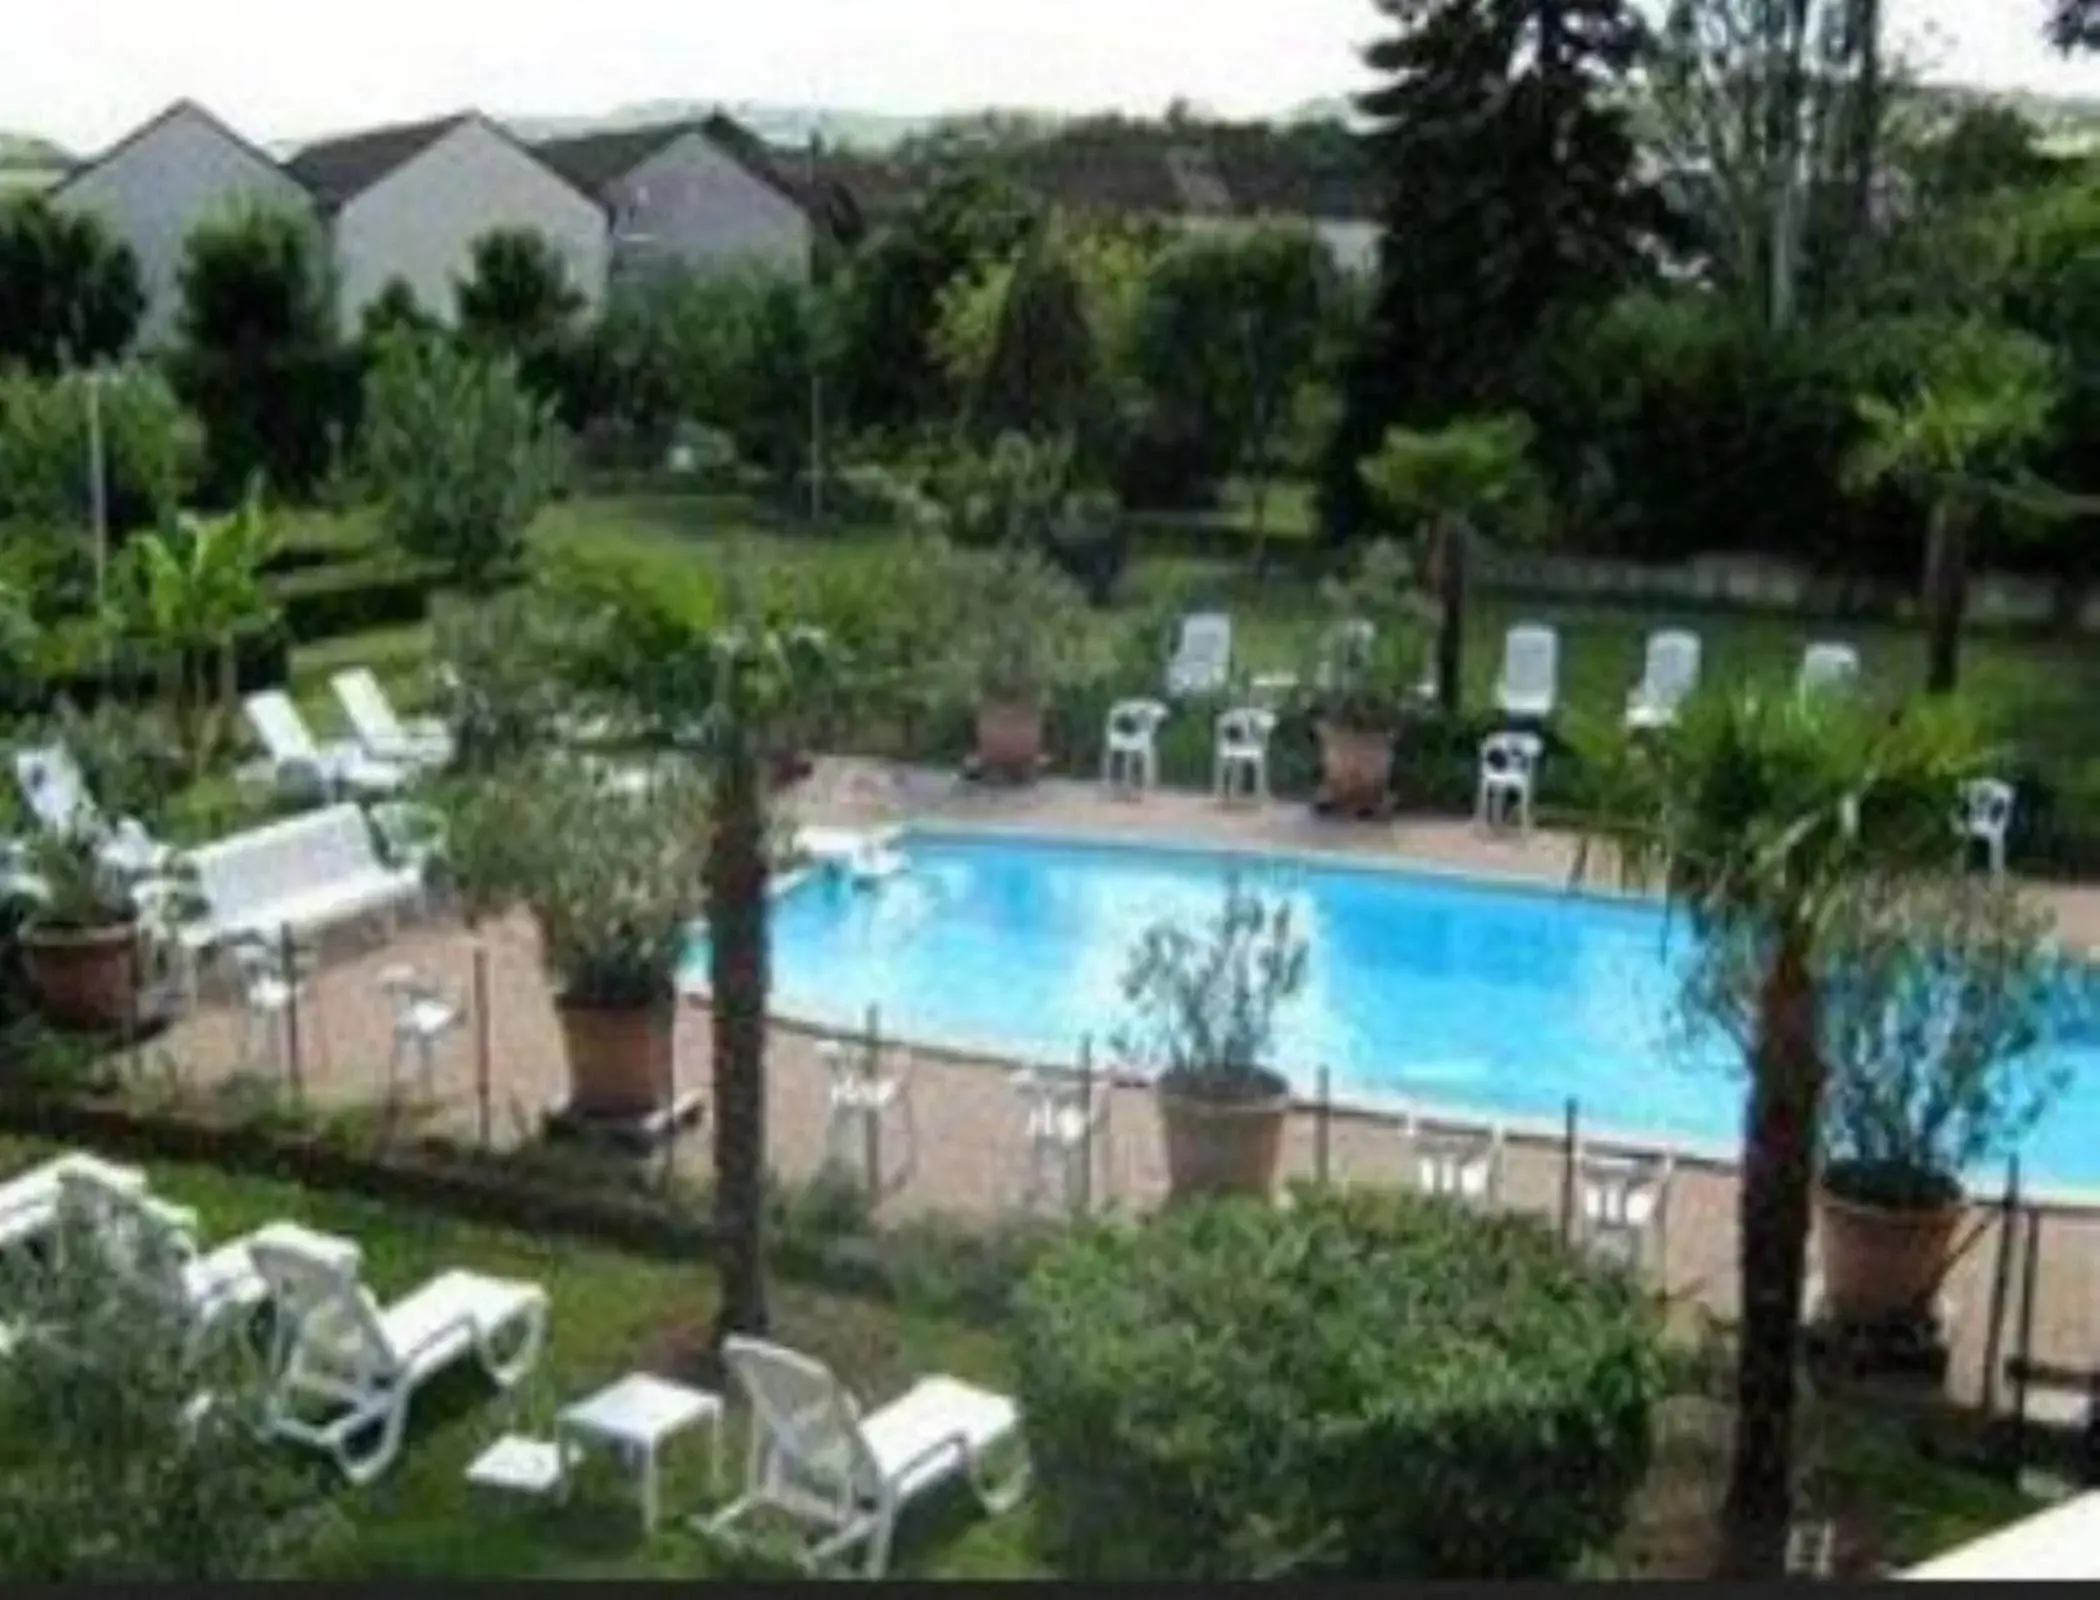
1204 1022
1939 1002
1363 675
80 942
1017 632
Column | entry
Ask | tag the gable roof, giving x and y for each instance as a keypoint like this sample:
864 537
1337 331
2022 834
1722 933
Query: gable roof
338 170
169 113
594 162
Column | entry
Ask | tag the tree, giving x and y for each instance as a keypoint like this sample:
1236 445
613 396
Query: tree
1043 373
189 593
462 456
517 301
1456 481
1957 442
1763 816
69 293
258 358
1502 146
152 449
1986 150
395 309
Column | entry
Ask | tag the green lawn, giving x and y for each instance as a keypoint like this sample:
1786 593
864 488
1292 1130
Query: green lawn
612 1313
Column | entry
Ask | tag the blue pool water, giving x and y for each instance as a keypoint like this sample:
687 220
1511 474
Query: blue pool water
1451 992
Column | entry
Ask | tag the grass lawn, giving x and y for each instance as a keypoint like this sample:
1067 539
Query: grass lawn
612 1313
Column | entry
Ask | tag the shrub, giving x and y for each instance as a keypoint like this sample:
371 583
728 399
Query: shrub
152 450
1361 1385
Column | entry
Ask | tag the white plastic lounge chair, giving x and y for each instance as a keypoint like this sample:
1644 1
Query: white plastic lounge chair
1828 666
299 766
425 742
1530 682
1669 674
1202 661
356 1363
1130 745
815 1458
153 1244
29 1200
57 796
1985 817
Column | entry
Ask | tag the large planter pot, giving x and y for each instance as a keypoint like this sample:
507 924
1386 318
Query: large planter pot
619 1060
1881 1263
83 978
1009 740
1218 1147
1356 765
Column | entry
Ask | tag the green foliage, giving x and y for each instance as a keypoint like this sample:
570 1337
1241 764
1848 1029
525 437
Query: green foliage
1042 375
115 1465
1015 626
462 454
393 310
69 293
1985 150
501 661
517 302
1367 662
151 449
1362 1385
1203 1004
1475 473
332 602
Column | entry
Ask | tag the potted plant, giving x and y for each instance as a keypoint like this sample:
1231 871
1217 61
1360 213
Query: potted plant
1937 996
1363 675
1017 631
613 875
1204 1021
80 942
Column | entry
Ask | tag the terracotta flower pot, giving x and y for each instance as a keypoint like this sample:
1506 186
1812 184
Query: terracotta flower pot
1009 739
619 1060
1880 1263
83 978
1218 1147
1356 765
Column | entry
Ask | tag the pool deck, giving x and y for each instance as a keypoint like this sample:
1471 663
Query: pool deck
969 1154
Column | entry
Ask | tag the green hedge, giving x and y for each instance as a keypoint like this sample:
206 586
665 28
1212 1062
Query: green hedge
1360 1385
328 602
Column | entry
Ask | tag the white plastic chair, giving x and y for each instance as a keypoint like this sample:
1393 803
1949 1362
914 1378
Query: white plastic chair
1508 766
1625 1205
1826 665
1130 744
860 1096
1668 675
1241 766
1530 681
424 742
1202 660
1064 1120
351 1364
815 1459
301 767
425 1011
56 792
1455 1163
1985 817
270 996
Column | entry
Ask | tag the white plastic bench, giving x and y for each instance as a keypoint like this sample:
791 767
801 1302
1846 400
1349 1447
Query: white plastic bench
307 872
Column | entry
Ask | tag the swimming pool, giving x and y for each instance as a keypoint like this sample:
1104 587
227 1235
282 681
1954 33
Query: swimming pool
1443 991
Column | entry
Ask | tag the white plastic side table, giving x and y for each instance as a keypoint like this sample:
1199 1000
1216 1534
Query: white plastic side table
636 1416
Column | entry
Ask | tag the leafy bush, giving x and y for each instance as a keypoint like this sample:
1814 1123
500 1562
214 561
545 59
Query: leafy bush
152 450
1362 1385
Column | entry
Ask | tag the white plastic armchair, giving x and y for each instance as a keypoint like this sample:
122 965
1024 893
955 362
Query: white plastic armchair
424 742
1530 681
1130 745
346 1368
1985 817
815 1459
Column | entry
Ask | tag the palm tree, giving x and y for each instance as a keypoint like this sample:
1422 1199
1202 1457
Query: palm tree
1955 442
193 590
1760 815
1455 481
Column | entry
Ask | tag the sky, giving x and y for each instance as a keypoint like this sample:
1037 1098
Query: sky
83 72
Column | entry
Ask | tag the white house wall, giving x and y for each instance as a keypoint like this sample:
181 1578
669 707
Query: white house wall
419 223
693 205
154 192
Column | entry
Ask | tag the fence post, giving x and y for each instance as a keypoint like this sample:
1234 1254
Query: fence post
287 958
1322 1133
2001 1273
2030 1269
871 1113
1567 1175
482 1066
1086 1124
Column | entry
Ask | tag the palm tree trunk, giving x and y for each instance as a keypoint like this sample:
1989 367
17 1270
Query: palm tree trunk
1778 1170
737 960
1946 599
1448 559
